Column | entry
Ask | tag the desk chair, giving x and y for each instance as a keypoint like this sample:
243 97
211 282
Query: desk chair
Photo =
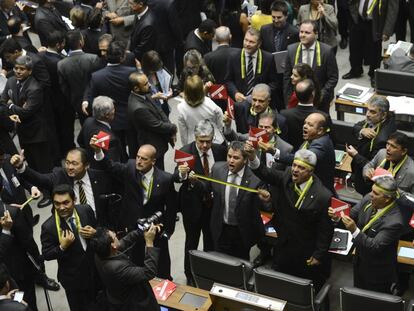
210 267
352 299
342 134
299 293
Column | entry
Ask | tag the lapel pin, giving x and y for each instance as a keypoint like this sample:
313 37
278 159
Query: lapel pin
311 196
158 185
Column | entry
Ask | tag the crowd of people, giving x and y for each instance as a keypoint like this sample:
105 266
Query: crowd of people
113 66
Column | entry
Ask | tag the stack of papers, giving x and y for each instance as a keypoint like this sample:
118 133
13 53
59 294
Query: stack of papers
401 104
403 45
355 93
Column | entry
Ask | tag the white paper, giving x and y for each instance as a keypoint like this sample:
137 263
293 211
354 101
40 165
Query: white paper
165 80
406 252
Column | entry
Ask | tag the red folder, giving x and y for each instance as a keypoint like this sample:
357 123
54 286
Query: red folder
340 208
163 290
230 108
255 134
103 140
181 157
218 91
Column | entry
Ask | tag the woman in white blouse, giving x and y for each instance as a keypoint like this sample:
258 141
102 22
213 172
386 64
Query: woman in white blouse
194 107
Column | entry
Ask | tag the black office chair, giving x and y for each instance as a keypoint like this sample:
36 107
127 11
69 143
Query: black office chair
210 267
396 83
352 299
342 134
299 293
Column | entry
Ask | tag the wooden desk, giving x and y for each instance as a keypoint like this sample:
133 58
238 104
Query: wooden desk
345 164
343 106
405 260
174 300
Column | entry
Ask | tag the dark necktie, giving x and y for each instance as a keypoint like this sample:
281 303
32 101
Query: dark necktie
231 216
278 40
365 9
73 225
206 166
19 88
82 195
250 75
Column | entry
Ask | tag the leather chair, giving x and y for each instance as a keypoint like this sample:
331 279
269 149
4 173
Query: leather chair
342 134
210 267
396 83
299 293
352 299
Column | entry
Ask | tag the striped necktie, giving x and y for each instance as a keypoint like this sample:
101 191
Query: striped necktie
250 75
82 195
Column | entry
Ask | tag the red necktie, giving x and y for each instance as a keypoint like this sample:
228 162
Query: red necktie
205 164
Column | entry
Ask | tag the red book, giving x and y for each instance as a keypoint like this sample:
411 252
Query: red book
103 140
230 108
255 134
163 290
340 208
181 157
218 91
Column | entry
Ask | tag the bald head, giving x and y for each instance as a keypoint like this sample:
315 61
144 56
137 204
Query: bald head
146 158
305 91
314 126
223 35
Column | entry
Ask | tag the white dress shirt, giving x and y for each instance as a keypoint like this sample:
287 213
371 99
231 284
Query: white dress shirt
87 187
311 51
254 60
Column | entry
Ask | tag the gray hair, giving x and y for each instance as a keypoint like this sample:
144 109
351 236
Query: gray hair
306 156
25 61
204 128
262 87
194 57
101 106
254 32
381 102
223 34
388 185
105 37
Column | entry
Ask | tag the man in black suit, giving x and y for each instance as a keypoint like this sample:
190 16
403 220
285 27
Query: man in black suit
301 217
75 73
147 190
90 186
319 56
148 120
296 116
65 237
235 222
144 35
200 38
112 81
376 224
48 19
126 284
169 34
22 100
7 303
194 202
250 67
8 9
103 114
16 29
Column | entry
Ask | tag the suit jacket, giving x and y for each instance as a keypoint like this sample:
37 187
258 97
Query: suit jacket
100 182
4 29
91 127
294 122
11 305
326 73
6 241
127 286
404 176
75 265
290 35
113 81
144 35
192 199
121 8
91 38
234 81
302 232
248 206
376 249
25 43
217 61
383 21
46 20
194 42
29 106
74 75
398 61
149 123
169 34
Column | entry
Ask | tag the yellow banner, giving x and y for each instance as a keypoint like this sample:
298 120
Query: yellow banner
225 183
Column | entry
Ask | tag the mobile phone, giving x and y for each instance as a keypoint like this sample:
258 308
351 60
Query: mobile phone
18 296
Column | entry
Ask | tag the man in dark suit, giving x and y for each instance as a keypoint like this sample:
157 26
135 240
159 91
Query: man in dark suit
200 38
112 81
48 19
16 29
250 67
144 35
7 303
126 284
22 100
376 224
65 237
301 217
169 34
90 186
317 55
148 120
103 114
75 73
296 116
235 223
147 190
8 9
369 26
194 202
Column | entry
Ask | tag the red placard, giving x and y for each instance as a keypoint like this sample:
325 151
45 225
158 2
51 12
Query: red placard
230 108
163 290
181 157
340 208
103 140
218 91
380 172
255 134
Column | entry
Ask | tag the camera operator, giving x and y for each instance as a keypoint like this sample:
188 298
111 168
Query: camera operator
127 286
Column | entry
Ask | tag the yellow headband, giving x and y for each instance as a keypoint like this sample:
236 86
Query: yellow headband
385 191
303 163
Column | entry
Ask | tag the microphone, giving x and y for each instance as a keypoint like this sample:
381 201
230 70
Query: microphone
110 195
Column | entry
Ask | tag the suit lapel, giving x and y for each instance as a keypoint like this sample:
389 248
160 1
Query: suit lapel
245 182
198 165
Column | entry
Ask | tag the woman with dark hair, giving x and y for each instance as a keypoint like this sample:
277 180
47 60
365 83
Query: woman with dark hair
94 31
236 20
301 72
159 79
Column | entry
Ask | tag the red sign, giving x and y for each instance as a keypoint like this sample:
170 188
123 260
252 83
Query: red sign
380 172
103 140
340 208
255 134
163 290
181 157
230 108
218 91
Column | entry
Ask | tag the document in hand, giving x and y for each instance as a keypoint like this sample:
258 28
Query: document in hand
340 208
163 290
103 140
255 134
218 91
181 157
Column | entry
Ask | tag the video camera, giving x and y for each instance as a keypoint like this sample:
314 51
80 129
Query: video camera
143 224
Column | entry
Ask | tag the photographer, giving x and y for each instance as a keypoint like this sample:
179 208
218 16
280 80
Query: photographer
127 286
